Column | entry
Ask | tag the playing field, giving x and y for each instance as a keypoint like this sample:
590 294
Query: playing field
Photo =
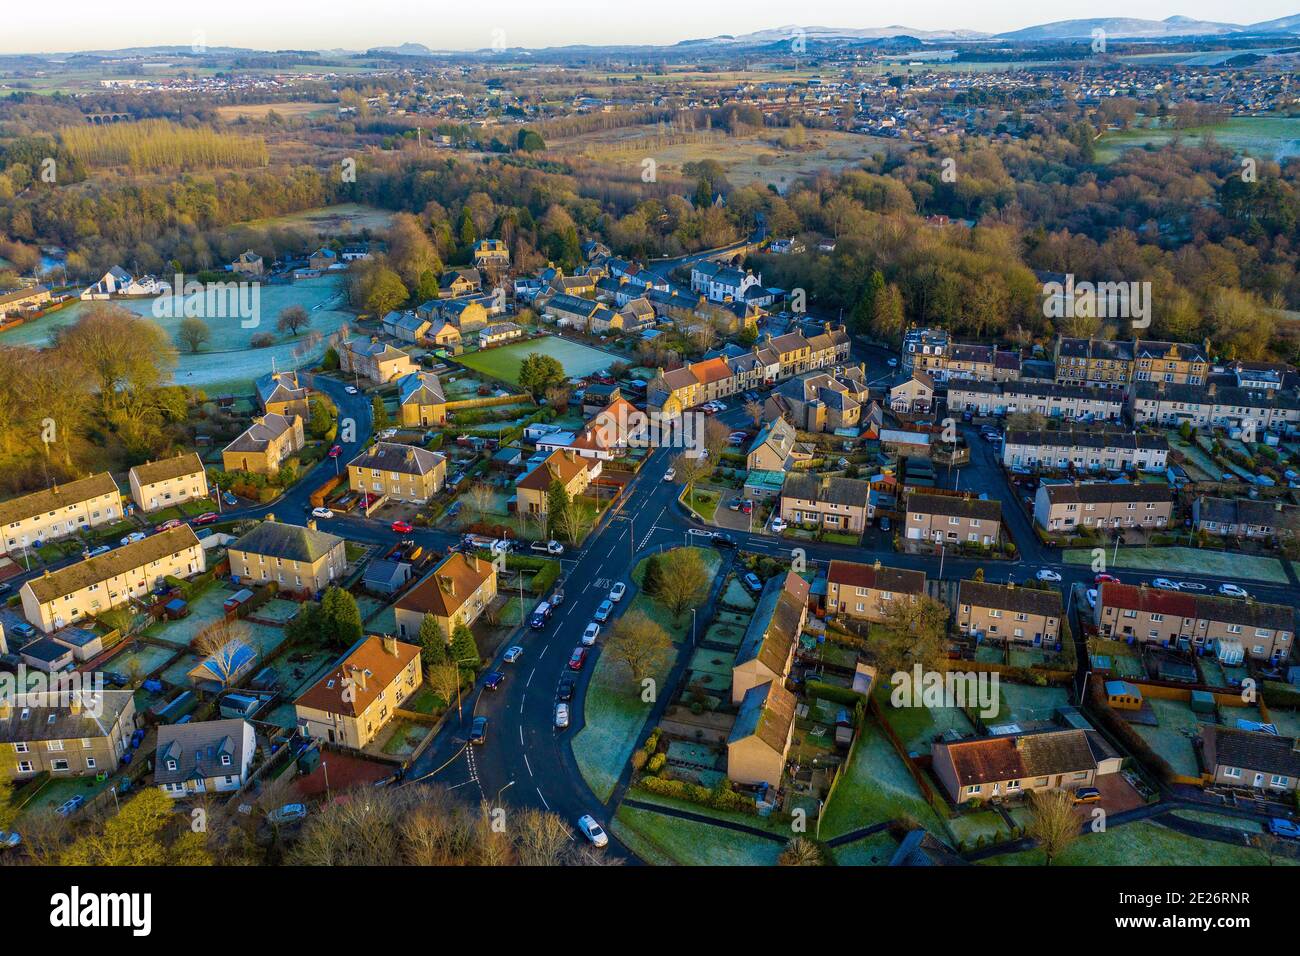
504 362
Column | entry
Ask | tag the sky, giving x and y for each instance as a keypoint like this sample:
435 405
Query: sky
71 25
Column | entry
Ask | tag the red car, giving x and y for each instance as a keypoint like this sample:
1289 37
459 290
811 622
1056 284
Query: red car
1103 578
336 451
168 525
210 517
577 658
402 527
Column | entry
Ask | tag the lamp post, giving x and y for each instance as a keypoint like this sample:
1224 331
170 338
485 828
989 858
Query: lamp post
465 660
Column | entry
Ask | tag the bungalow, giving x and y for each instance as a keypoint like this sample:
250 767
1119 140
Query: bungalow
499 334
158 484
990 768
206 756
455 592
1248 758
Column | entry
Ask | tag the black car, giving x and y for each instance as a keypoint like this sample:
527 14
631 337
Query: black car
721 540
494 680
478 732
114 678
565 690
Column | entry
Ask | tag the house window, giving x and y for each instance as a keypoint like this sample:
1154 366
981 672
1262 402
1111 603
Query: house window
1013 784
1233 772
57 765
20 748
1279 780
973 789
90 763
24 766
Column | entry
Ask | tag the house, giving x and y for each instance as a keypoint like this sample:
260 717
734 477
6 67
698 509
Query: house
377 361
77 734
1010 612
406 326
92 586
459 282
444 335
19 301
59 511
281 393
1049 399
1215 406
357 698
609 432
1082 449
776 448
832 504
1253 518
1114 364
117 281
787 246
1170 618
358 251
499 334
420 400
573 471
913 397
760 737
1101 505
158 484
571 310
247 263
1249 758
722 283
821 401
205 756
866 592
991 768
296 558
456 592
265 445
400 472
952 519
924 350
467 314
766 652
491 254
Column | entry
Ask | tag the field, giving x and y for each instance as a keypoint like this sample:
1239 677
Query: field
667 841
1263 136
504 362
329 220
227 363
1141 844
261 110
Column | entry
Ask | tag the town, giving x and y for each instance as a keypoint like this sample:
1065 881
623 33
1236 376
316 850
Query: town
730 457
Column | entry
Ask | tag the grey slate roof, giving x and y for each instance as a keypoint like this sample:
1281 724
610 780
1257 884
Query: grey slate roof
197 749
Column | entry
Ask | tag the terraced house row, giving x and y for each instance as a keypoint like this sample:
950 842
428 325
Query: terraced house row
1084 449
1116 364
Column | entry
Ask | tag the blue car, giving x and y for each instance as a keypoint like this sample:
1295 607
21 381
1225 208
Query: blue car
494 680
1284 828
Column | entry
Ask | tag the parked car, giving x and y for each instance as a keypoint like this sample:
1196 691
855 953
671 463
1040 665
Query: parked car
478 730
1103 578
513 654
778 524
230 499
753 582
1284 828
590 634
494 680
1190 586
617 591
604 611
1233 590
322 513
737 438
592 831
747 507
884 523
208 517
547 547
70 806
133 537
1047 574
1164 584
541 614
564 690
557 599
1087 795
561 716
1092 597
168 525
287 814
577 658
335 451
892 363
102 549
402 527
670 474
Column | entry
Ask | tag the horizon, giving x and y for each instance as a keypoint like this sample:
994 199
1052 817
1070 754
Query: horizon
525 26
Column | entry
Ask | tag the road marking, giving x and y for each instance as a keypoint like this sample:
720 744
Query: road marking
528 765
543 799
521 736
529 682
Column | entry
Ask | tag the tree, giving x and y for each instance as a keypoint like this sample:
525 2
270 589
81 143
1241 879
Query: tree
529 141
888 318
639 643
193 333
480 498
911 632
293 319
691 468
433 643
305 625
386 292
557 396
224 646
755 412
559 506
1053 822
444 679
803 851
8 812
464 652
683 580
539 372
652 578
340 618
378 411
322 417
136 836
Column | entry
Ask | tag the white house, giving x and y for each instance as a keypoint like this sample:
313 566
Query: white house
720 283
117 281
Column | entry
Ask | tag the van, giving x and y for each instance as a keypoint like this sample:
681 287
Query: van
541 614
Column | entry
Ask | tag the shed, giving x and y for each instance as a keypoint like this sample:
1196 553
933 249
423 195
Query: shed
1123 695
1202 702
176 608
386 577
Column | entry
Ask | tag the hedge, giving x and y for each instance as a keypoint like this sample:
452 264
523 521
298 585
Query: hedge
717 798
833 692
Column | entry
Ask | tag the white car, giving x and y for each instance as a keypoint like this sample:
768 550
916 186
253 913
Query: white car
133 537
1164 584
604 611
617 591
351 389
778 524
670 474
387 433
513 654
1048 575
321 513
590 634
1092 597
1233 590
592 831
561 716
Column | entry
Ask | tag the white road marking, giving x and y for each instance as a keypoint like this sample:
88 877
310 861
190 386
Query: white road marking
528 765
543 799
529 682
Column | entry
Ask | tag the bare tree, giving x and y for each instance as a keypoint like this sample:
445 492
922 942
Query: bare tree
802 851
911 631
683 580
638 642
480 497
444 680
690 470
220 644
1053 822
755 412
293 319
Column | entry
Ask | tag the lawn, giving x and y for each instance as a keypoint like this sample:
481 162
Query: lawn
668 841
703 502
875 850
1141 844
504 362
1175 561
1172 737
1276 136
918 726
877 788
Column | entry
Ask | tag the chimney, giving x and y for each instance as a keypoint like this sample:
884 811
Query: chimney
877 564
311 524
270 517
359 676
390 645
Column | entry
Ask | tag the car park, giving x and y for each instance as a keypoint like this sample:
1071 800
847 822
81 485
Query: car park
1233 590
561 716
1164 584
590 634
604 611
478 730
494 680
617 591
513 654
1046 574
592 831
577 658
322 513
287 814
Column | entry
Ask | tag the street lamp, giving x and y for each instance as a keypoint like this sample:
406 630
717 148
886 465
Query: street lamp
692 627
942 548
465 660
497 802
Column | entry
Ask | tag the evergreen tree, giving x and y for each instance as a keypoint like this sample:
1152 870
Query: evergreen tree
340 618
464 652
433 645
652 580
